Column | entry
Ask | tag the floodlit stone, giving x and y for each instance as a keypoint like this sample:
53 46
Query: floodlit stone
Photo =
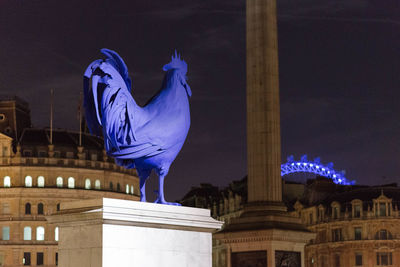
111 233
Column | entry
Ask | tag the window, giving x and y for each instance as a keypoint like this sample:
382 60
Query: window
87 183
132 191
42 154
27 233
6 233
337 260
56 260
39 258
357 211
359 259
6 208
40 181
337 234
2 117
40 209
93 157
28 181
58 206
27 153
56 234
335 212
71 182
111 186
382 209
323 261
28 208
97 184
383 258
357 233
383 235
118 187
127 189
27 258
7 181
311 218
321 236
40 233
59 181
69 155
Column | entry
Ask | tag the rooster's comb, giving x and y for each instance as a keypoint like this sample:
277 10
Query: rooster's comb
176 63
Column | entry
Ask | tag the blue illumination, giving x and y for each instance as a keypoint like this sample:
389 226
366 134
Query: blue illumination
316 167
145 138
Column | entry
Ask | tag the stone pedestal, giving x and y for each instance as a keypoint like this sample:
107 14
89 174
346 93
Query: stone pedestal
115 233
265 238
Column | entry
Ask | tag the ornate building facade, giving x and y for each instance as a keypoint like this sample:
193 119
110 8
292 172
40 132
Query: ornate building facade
358 227
354 225
37 175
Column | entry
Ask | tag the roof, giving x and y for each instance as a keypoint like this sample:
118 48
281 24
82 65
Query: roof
37 136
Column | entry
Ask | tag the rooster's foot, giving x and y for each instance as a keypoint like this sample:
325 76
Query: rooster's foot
162 201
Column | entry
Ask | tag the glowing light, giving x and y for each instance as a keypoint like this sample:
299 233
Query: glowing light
323 170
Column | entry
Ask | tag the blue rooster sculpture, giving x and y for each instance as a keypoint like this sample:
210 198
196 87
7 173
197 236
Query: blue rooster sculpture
145 138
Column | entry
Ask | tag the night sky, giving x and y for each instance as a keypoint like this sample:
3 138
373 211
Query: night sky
339 75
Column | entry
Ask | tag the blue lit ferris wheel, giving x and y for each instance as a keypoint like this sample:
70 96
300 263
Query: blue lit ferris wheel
315 166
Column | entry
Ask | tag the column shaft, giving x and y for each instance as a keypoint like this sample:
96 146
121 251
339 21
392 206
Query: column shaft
263 118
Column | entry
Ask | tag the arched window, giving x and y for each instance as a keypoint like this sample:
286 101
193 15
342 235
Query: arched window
127 189
111 186
40 181
27 233
118 187
132 191
40 208
40 233
97 184
59 181
28 181
56 234
7 181
87 183
383 234
71 182
28 208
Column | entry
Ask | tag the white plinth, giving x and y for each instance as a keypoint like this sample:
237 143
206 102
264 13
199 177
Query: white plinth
120 233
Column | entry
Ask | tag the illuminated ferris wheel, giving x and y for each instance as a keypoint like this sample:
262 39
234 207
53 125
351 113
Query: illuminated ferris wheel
315 166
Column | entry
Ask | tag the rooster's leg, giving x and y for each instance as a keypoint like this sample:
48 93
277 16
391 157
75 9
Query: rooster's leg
143 189
143 176
160 199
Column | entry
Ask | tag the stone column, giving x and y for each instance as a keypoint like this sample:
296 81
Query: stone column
264 227
263 119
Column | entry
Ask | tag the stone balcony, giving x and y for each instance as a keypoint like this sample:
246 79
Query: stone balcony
64 162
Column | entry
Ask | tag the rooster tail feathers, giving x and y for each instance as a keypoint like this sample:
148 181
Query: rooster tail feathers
90 102
176 63
118 63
